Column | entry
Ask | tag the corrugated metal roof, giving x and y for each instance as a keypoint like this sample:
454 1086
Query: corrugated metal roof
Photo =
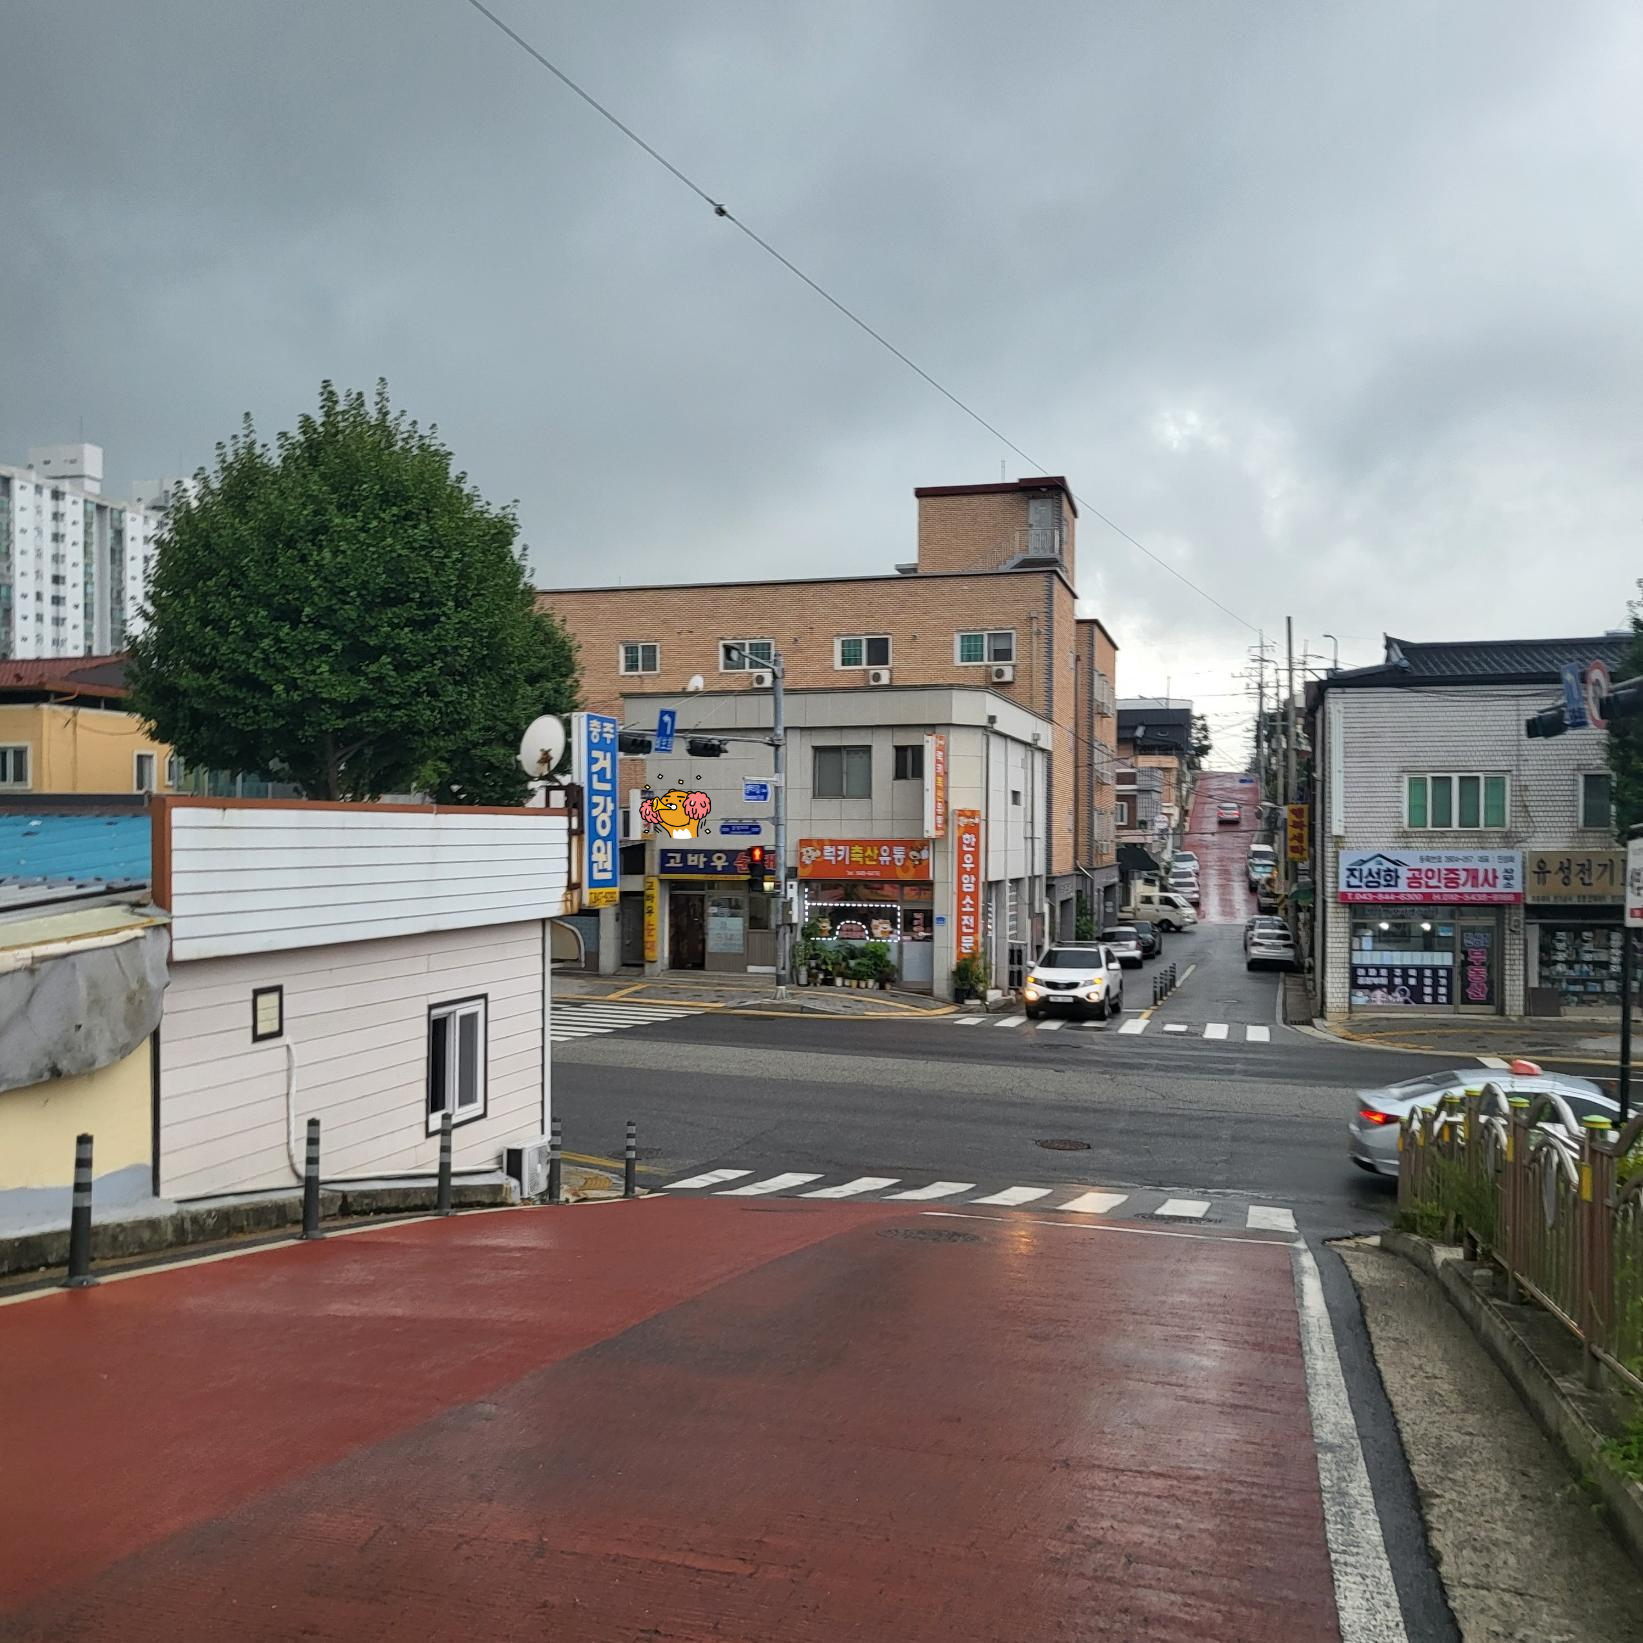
96 675
74 849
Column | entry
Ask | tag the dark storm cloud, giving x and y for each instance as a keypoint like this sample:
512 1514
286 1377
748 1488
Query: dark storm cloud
1335 308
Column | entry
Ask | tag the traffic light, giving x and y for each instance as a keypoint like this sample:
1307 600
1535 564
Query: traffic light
704 747
761 869
1546 723
1622 701
634 742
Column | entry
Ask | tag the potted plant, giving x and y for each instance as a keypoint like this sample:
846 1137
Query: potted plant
880 965
970 979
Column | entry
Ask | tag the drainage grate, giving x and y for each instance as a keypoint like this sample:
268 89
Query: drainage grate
931 1235
1063 1146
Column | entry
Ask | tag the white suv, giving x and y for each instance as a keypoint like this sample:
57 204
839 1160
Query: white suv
1075 981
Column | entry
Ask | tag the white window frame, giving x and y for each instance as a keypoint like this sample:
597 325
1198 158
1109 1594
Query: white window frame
864 640
137 785
742 664
1455 825
1607 824
987 636
10 783
638 644
462 1112
1121 811
173 771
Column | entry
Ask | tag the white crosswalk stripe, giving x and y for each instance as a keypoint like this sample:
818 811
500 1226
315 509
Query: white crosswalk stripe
776 1183
1011 1021
1258 1035
1015 1195
1052 1026
971 1020
713 1178
1094 1203
596 1017
1216 1029
852 1189
1115 1203
1266 1218
1138 1025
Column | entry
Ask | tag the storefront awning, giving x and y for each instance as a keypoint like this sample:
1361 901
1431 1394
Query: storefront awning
1134 858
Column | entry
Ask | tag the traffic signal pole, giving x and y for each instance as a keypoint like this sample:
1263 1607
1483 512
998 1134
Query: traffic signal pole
778 743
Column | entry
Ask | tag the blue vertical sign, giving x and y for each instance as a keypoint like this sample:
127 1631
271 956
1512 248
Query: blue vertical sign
666 719
1574 697
595 766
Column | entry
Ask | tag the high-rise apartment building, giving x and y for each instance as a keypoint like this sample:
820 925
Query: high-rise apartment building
73 563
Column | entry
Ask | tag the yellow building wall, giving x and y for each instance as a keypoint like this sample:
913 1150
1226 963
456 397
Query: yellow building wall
38 1124
81 749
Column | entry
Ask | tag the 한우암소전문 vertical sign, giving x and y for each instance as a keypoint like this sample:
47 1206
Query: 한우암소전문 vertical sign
594 741
966 883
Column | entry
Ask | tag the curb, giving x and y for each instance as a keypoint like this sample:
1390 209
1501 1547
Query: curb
1563 1411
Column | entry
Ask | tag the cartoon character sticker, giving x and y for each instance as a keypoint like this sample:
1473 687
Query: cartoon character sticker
676 813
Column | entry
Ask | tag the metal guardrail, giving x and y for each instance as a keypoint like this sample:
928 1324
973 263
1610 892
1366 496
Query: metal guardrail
1551 1200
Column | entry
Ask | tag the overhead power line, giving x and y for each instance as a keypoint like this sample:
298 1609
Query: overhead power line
722 210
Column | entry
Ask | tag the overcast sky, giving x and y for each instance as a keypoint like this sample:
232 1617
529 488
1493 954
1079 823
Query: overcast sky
1337 308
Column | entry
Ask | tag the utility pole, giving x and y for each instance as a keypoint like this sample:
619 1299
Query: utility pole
1260 718
1291 796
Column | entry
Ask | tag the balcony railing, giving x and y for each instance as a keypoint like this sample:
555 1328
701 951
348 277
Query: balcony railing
1040 542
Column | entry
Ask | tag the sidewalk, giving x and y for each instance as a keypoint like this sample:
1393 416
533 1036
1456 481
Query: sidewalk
744 994
1595 1044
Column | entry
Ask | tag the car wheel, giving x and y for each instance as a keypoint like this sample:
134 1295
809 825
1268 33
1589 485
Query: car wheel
1118 1003
1032 1014
1099 1011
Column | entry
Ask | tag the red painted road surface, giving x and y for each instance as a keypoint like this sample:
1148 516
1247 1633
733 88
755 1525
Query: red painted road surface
772 1422
1223 852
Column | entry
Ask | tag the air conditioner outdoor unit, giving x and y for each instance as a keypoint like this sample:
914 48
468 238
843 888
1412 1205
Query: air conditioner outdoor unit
1003 673
528 1165
878 676
763 680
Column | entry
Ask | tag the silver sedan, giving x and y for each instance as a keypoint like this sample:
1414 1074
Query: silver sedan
1377 1115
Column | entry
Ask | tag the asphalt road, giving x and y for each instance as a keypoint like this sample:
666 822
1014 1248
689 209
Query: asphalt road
1212 1096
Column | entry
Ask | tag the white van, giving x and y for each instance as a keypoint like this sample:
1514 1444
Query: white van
1164 908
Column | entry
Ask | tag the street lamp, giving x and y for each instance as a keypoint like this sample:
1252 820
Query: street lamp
1335 661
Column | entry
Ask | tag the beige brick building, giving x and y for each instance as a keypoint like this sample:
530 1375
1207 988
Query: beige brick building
989 602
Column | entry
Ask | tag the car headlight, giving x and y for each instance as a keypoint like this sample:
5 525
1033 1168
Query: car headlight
1030 994
1032 981
1095 985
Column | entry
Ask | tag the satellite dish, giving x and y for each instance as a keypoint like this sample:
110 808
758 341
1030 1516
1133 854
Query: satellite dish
542 746
697 682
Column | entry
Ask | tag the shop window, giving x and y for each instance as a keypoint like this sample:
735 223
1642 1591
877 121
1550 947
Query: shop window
994 645
1596 804
745 655
843 773
641 657
1451 803
456 1061
862 650
909 762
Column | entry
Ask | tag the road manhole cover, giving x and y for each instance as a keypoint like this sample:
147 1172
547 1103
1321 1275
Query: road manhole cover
931 1235
1064 1146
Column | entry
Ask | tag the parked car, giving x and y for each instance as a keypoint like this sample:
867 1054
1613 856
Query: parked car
1270 950
1262 863
1228 814
1150 935
1372 1130
1268 897
1263 921
1166 909
1184 858
1185 884
1074 981
1125 941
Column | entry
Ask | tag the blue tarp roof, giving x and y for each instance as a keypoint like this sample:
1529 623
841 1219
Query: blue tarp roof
84 849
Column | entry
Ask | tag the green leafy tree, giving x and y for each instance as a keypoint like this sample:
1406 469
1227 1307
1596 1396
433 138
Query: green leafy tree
1202 743
1625 737
342 610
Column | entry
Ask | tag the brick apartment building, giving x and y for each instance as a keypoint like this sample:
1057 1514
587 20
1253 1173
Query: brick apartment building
988 605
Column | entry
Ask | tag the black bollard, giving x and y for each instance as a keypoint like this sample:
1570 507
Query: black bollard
555 1166
630 1162
310 1184
79 1226
444 1205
